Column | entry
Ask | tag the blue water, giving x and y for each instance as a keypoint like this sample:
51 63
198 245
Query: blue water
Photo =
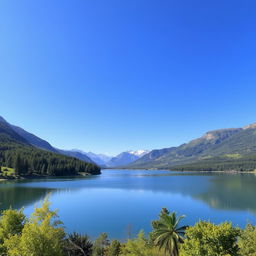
122 202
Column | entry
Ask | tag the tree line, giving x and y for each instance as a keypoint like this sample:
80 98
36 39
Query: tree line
222 163
43 234
27 160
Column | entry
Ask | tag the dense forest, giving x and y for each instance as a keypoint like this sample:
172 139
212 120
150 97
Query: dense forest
27 161
43 234
233 162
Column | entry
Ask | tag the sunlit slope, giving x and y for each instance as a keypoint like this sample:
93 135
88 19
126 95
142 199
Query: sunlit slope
229 145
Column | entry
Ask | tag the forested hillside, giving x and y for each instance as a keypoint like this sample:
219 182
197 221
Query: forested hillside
225 149
7 134
26 160
222 163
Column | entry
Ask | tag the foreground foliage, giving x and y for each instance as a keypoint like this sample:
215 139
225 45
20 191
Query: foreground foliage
247 241
43 235
208 239
78 245
139 246
167 234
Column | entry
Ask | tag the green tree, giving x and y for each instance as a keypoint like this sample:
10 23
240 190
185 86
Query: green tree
79 245
11 223
206 238
140 246
100 245
41 235
27 160
114 248
18 165
167 234
247 241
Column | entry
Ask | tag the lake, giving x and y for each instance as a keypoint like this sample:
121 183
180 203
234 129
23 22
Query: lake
122 202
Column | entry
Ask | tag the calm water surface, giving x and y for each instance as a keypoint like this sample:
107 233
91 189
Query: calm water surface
121 202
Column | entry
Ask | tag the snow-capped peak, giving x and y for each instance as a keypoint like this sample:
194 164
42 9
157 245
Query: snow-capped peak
138 153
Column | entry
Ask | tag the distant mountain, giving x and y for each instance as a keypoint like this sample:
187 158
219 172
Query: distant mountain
122 159
110 161
139 153
125 158
150 157
100 159
77 154
215 146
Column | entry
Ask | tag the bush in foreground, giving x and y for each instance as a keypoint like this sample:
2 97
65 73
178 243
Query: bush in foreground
208 239
43 235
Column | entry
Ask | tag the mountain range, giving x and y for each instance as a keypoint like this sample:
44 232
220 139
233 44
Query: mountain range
223 149
125 158
107 161
77 154
229 149
99 159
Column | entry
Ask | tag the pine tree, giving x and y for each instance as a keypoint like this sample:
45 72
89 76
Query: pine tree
18 165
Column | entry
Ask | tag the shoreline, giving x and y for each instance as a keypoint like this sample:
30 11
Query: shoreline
180 171
83 175
31 177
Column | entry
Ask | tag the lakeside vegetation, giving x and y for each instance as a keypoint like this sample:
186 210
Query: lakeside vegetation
19 160
6 171
43 234
225 163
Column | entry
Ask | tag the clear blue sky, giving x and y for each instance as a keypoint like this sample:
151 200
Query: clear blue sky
108 76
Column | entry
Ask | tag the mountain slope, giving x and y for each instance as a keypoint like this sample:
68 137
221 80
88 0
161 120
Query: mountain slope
243 143
33 139
99 159
122 159
221 163
7 134
186 153
16 152
125 158
140 153
27 137
43 144
77 154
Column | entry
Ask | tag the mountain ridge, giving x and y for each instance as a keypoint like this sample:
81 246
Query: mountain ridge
27 160
77 154
43 144
215 143
33 139
126 157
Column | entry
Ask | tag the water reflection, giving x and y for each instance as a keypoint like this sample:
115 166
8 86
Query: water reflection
18 196
232 192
